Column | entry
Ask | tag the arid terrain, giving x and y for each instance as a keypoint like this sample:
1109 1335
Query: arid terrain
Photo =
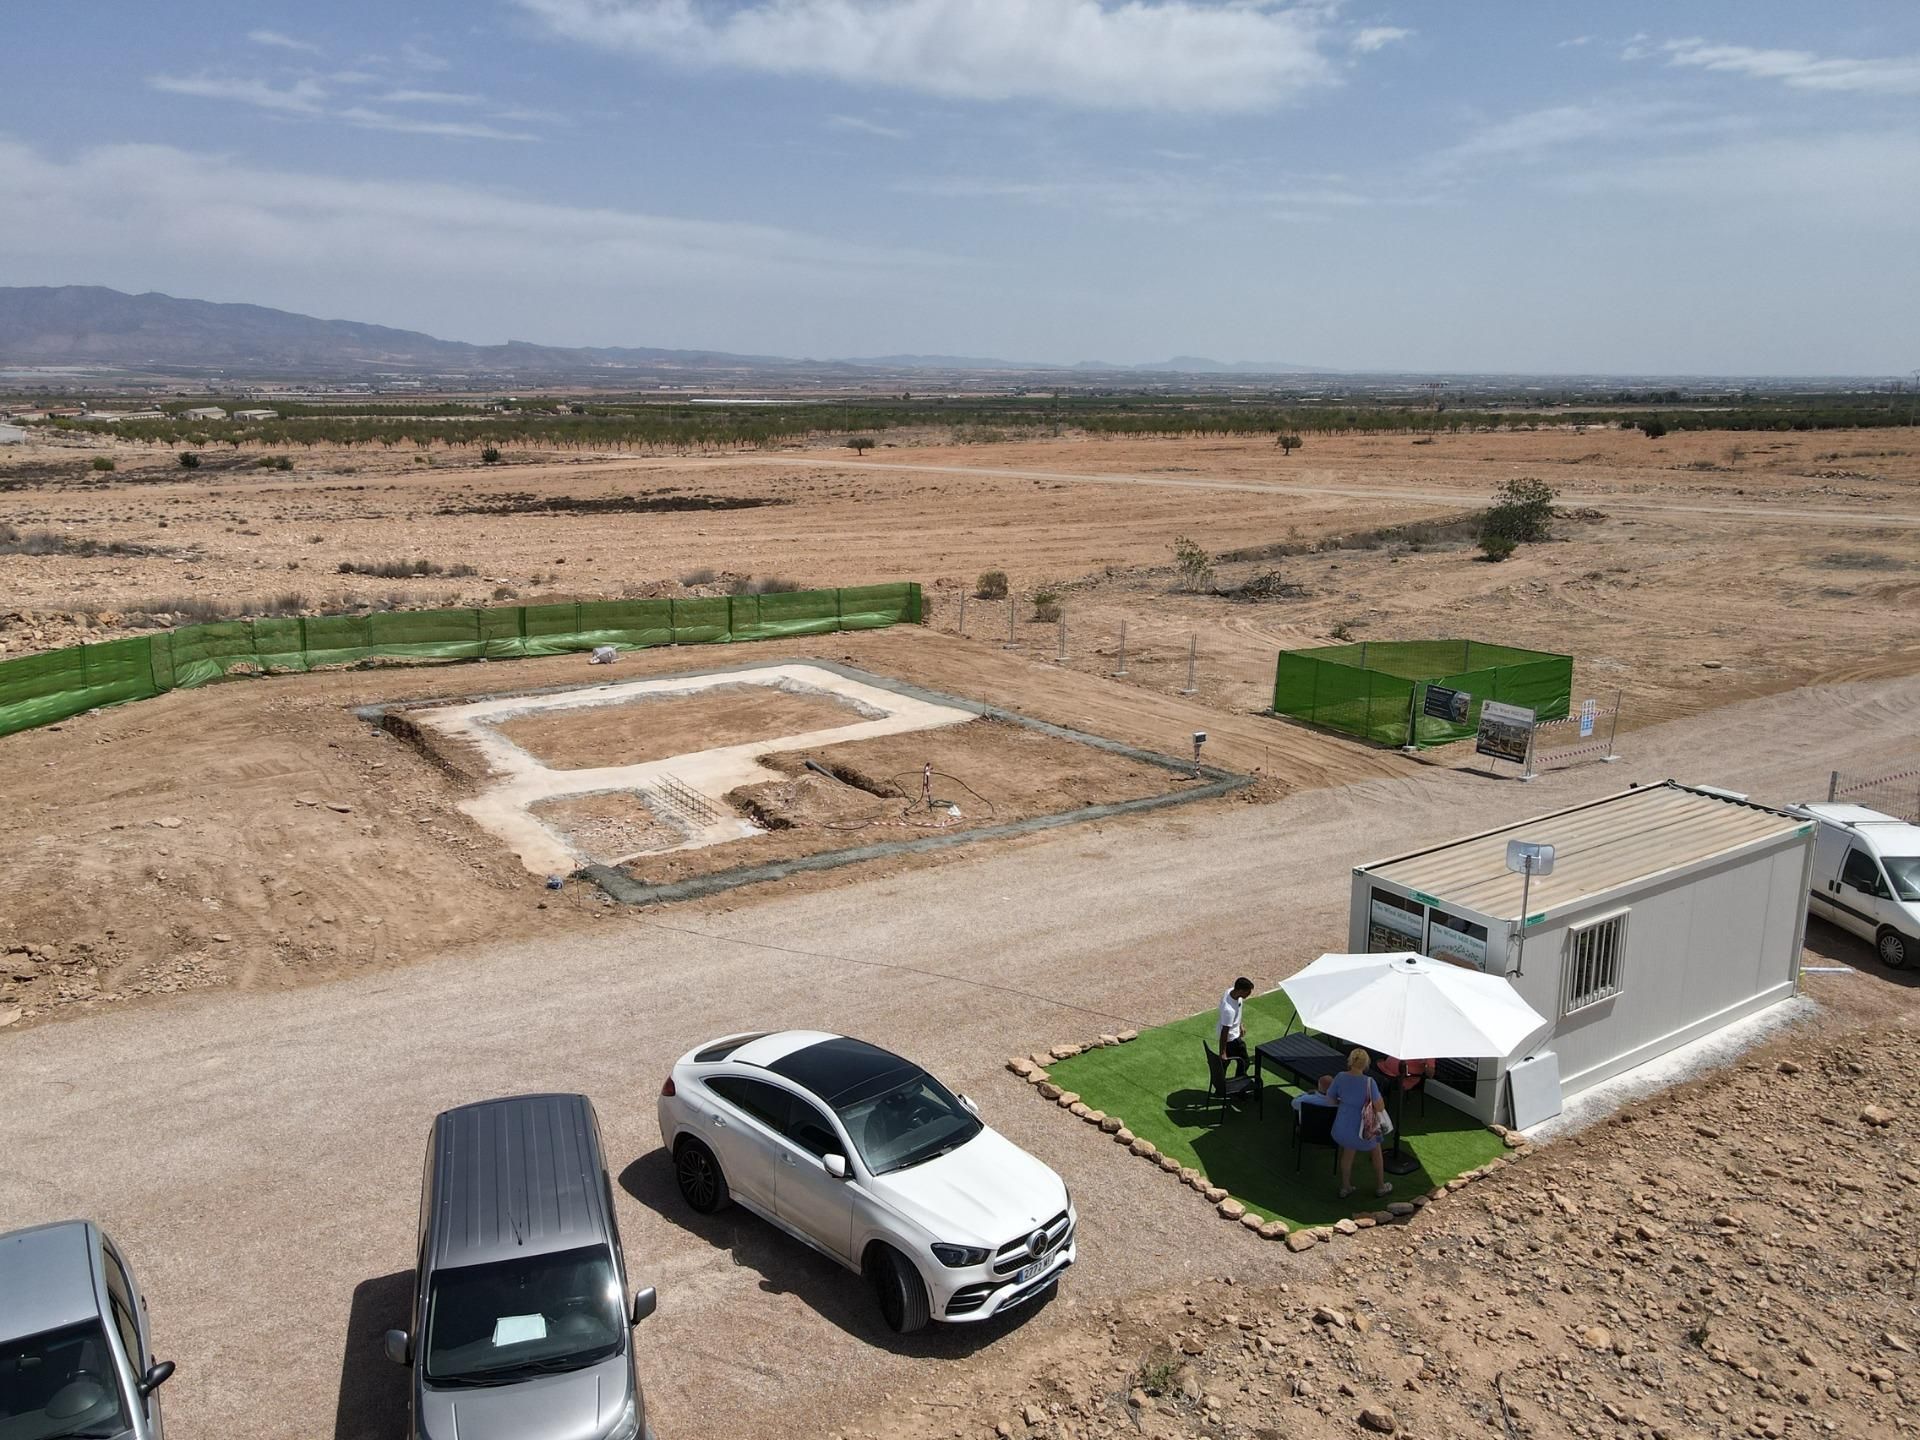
228 910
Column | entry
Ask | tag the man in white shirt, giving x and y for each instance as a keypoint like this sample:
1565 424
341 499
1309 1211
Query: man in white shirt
1233 1043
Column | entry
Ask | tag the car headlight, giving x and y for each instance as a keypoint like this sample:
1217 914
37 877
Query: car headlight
958 1257
627 1427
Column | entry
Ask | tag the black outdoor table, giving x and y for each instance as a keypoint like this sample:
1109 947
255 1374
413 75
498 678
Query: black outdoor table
1304 1057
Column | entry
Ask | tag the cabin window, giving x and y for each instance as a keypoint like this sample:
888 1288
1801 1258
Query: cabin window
1595 963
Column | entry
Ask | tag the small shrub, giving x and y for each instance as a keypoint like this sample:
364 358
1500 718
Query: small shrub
1497 547
1193 562
1046 603
992 585
1158 1371
701 575
392 569
490 455
102 463
189 460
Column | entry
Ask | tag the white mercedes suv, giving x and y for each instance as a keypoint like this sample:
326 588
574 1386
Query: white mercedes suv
868 1159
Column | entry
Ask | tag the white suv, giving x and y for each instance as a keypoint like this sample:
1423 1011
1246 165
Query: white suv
868 1159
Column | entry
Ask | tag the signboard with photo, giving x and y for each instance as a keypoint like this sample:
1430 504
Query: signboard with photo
1441 703
1394 923
1457 940
1504 731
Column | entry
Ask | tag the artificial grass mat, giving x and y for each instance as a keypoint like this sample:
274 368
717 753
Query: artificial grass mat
1157 1084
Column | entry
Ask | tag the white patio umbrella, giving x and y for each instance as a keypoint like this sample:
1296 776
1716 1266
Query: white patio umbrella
1412 1008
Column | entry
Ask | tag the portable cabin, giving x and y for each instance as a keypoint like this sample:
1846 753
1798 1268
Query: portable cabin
1670 913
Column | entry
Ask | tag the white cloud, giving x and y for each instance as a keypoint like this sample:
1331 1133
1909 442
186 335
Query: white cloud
1168 55
1377 37
1532 134
314 99
276 40
141 213
1801 69
302 97
862 126
430 97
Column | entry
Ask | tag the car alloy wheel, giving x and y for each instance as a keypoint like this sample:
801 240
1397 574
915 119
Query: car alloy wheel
701 1184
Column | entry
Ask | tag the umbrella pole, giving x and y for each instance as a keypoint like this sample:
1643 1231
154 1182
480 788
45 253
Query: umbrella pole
1396 1162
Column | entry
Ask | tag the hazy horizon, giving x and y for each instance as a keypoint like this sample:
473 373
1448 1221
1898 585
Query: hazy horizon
1365 188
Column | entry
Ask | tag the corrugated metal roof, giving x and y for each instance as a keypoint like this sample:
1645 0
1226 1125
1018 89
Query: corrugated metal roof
517 1176
1597 848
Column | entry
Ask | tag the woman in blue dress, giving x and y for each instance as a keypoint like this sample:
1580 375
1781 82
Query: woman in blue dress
1357 1125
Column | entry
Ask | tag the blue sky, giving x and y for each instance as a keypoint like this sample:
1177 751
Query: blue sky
1623 187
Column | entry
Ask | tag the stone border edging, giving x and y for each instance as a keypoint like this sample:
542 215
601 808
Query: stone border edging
1033 1070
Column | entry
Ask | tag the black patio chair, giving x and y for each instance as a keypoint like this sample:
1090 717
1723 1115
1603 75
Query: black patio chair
1313 1125
1220 1087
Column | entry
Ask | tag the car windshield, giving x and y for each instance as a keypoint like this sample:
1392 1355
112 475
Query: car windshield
60 1385
488 1324
913 1122
1904 872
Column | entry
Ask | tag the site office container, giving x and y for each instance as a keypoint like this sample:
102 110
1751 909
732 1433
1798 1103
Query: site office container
1671 913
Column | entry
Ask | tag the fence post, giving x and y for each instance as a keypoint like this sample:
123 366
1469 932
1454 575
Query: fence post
1193 650
1123 650
1833 786
1613 728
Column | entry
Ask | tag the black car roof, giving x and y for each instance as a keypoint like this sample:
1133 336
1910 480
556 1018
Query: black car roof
843 1071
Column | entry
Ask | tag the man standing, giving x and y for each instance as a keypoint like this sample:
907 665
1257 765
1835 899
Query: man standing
1233 1044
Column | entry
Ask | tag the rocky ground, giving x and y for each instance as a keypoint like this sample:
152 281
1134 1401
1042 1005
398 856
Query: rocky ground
1729 1259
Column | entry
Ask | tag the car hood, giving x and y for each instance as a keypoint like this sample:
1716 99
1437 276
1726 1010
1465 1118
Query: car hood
579 1405
985 1193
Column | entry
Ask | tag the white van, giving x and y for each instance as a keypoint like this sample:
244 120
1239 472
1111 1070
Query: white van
1866 877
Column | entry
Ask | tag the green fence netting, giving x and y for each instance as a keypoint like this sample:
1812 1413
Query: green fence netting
40 689
1377 690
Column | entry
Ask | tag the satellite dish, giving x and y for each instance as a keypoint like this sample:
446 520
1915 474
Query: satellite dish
1528 857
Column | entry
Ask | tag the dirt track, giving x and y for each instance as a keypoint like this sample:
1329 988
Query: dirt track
259 1153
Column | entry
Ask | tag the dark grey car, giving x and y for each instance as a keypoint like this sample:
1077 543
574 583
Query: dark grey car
76 1357
521 1329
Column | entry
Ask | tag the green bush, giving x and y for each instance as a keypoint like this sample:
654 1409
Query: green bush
1194 563
992 585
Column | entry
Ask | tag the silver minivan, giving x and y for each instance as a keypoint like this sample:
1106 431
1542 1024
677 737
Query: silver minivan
76 1354
521 1327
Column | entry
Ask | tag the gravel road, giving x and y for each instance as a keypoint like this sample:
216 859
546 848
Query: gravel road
258 1154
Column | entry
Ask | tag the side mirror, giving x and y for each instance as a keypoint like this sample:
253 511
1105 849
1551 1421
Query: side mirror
836 1166
399 1347
972 1109
645 1302
156 1376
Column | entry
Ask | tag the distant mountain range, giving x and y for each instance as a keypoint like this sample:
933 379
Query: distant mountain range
95 326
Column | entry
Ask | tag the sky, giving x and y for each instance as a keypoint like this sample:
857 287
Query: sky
1620 187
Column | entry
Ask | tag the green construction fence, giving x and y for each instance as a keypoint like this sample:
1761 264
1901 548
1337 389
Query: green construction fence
40 689
1376 690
